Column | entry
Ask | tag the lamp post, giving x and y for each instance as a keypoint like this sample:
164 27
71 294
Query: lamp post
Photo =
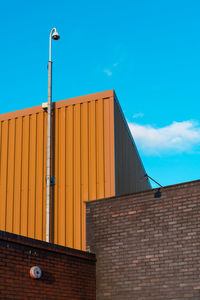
55 36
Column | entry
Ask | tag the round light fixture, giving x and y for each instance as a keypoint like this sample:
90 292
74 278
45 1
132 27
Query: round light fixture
35 272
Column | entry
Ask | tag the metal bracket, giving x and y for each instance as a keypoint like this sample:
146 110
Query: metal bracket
45 105
52 180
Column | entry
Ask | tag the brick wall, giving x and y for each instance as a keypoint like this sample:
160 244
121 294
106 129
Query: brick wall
67 273
147 247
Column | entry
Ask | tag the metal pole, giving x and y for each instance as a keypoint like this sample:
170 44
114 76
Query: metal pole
53 34
48 171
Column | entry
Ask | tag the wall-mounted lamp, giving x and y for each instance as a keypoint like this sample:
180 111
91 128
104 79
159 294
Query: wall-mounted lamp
35 272
158 193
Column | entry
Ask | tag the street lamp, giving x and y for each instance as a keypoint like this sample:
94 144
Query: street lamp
55 36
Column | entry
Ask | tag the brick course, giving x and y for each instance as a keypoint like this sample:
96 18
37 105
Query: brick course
147 248
67 273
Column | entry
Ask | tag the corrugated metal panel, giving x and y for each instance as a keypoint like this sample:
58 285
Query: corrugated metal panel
22 182
128 165
92 156
82 164
82 150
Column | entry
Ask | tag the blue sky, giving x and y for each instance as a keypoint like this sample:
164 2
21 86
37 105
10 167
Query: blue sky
148 51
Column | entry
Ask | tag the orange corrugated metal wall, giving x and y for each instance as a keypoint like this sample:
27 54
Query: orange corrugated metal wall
22 178
82 163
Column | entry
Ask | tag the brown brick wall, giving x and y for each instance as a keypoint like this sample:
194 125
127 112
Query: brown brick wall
147 248
67 273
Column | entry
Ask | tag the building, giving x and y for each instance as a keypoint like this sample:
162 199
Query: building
93 157
146 241
147 244
65 273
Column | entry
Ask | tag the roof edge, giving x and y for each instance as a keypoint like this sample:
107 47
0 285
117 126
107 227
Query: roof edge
42 245
58 104
165 188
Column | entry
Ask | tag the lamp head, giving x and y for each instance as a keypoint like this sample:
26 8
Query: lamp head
55 35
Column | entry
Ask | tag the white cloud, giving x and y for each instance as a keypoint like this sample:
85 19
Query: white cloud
138 115
177 137
108 72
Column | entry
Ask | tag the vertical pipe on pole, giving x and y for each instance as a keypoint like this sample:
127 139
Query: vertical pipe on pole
48 170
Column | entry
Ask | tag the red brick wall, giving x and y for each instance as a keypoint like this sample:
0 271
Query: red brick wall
147 248
67 273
